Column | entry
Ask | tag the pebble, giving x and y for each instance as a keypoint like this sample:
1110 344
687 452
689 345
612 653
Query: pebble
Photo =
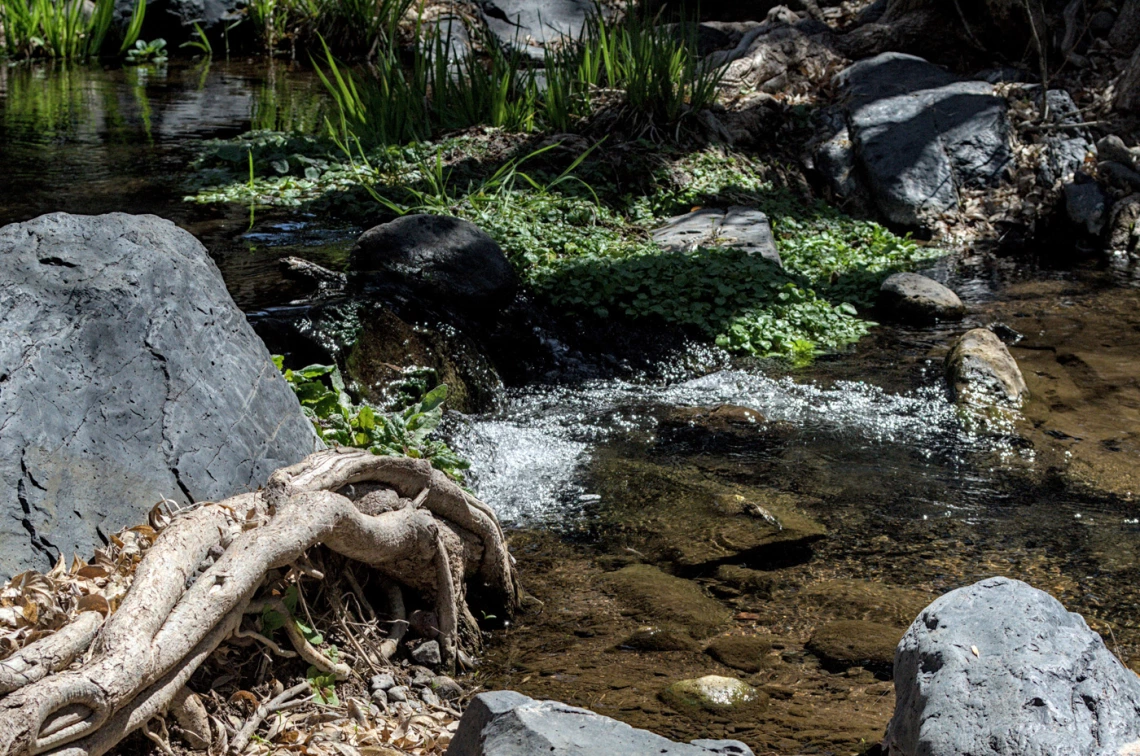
446 688
428 696
398 693
383 681
421 677
380 698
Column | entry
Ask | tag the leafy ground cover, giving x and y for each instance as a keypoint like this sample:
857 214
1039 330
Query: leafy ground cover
583 244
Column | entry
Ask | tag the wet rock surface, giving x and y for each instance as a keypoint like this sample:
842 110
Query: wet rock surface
914 298
981 371
442 259
920 134
530 25
506 723
748 653
127 375
856 643
653 594
679 514
1001 667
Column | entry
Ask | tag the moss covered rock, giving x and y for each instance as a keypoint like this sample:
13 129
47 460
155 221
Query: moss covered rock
856 643
656 639
654 595
864 600
744 652
714 694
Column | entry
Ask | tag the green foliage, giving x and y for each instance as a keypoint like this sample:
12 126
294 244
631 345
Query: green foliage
439 88
324 686
147 52
62 29
406 433
200 42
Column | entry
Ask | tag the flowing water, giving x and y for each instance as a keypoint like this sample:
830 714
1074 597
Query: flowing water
849 490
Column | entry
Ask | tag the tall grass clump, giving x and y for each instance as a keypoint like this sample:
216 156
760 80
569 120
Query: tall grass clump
648 76
62 29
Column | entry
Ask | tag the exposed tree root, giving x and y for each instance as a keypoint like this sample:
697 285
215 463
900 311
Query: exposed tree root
430 536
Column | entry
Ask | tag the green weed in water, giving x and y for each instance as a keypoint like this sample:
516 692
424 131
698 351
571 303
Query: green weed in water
62 29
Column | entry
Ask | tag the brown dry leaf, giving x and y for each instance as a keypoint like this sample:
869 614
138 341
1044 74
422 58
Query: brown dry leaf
94 602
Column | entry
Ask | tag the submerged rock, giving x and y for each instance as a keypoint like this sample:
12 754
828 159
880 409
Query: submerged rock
921 134
752 581
1123 230
655 595
682 515
1000 667
443 260
506 723
744 652
715 694
856 643
723 418
737 228
981 371
917 299
127 374
656 639
865 600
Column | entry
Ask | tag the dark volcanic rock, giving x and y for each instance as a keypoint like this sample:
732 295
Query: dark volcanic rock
174 20
127 374
436 258
920 134
999 667
914 298
506 723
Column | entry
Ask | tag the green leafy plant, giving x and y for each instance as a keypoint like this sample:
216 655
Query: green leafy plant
200 42
147 52
406 433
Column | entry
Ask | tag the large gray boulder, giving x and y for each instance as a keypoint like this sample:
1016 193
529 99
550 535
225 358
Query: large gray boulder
434 258
920 134
506 723
738 227
1002 668
127 375
530 25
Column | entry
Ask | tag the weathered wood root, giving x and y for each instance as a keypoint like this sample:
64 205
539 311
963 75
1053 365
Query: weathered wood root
436 539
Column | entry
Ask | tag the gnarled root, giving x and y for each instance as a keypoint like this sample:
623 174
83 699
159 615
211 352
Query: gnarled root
429 536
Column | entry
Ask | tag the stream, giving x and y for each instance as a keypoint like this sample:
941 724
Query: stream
886 495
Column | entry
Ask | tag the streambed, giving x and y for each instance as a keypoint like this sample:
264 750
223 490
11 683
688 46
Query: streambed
884 496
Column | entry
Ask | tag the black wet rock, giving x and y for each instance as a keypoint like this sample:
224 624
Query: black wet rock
127 374
1000 667
446 261
914 298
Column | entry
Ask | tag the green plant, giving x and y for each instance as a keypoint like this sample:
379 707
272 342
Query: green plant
201 43
64 29
325 401
147 52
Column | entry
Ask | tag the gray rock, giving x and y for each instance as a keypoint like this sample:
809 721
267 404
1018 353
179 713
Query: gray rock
127 374
1064 150
713 693
427 653
529 25
436 258
1119 175
835 159
421 677
1114 149
382 681
916 298
506 723
398 693
1086 206
380 698
921 134
1125 34
999 667
446 688
981 371
174 20
738 227
428 696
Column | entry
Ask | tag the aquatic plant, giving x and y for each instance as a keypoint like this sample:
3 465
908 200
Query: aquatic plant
147 52
63 29
338 421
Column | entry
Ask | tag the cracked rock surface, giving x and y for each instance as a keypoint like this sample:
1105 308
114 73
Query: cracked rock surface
127 374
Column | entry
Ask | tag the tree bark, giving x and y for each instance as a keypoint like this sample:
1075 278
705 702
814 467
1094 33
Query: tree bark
432 537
